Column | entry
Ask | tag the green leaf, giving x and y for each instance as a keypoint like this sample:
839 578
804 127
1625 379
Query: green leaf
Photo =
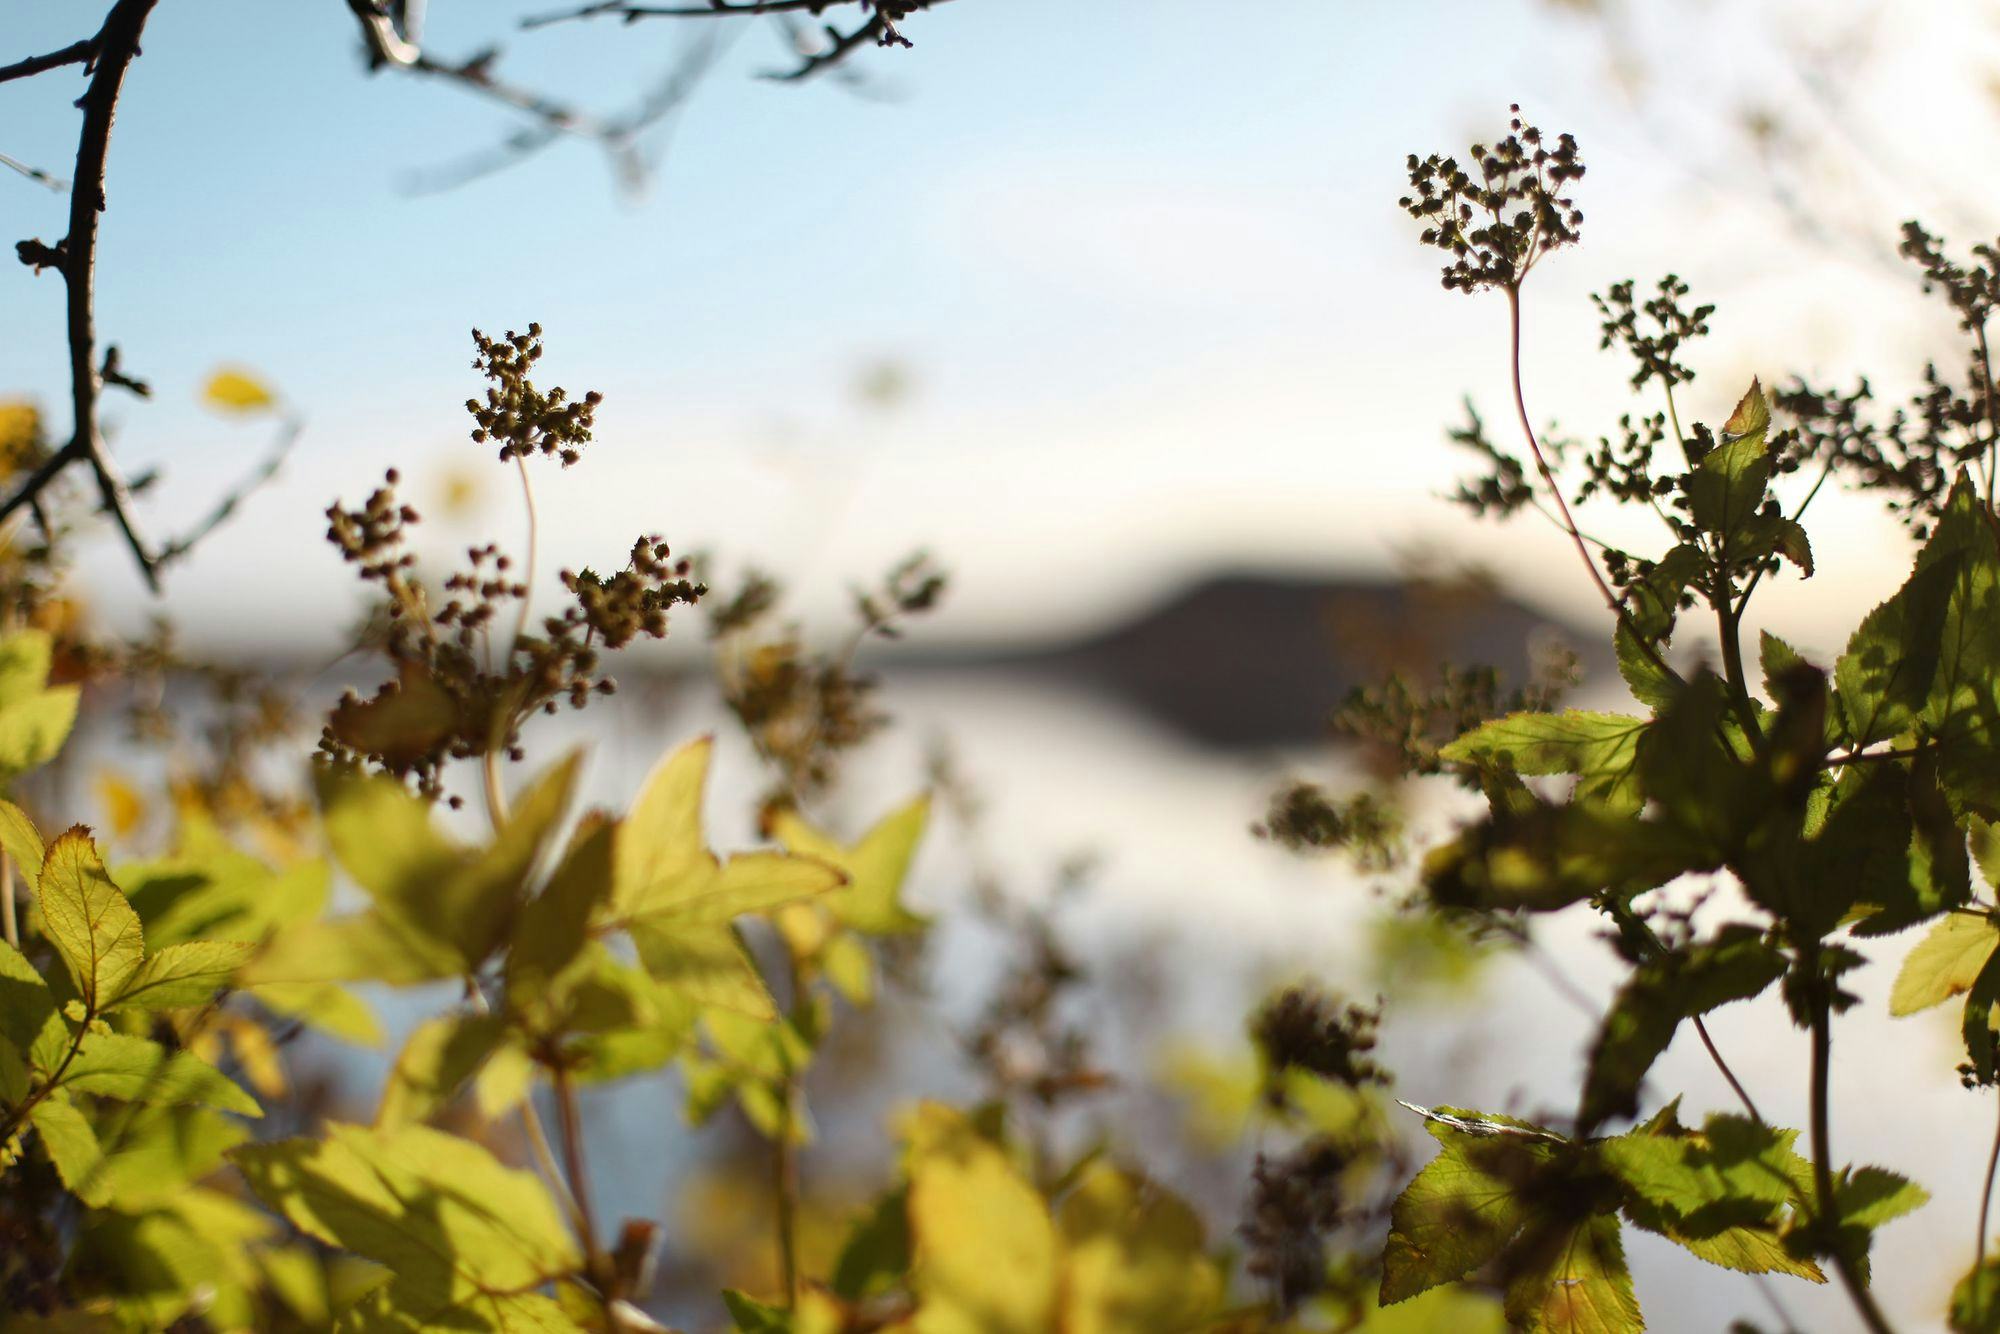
152 1154
72 1146
88 921
458 902
1726 488
1465 1207
20 840
1945 963
368 946
185 974
1869 1197
1573 1280
1885 674
135 1069
440 1211
876 867
1648 680
439 1057
1975 1301
555 924
876 1254
1544 858
1961 710
1777 658
678 902
1600 748
28 1016
751 1316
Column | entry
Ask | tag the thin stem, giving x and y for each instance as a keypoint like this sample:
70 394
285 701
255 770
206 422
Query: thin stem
1565 520
1828 1209
785 1166
785 1188
1742 1094
1992 413
579 1174
527 574
1985 1217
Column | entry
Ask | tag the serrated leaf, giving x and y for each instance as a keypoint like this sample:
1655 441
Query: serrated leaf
185 974
1573 1280
1945 962
88 921
136 1069
1885 674
1600 748
1869 1197
442 1212
1464 1208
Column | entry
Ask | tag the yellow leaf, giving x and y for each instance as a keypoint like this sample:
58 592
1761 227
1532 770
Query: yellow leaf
984 1249
1133 1258
233 389
1944 963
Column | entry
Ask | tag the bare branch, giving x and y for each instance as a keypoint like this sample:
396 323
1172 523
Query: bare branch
879 29
113 50
76 53
391 46
620 140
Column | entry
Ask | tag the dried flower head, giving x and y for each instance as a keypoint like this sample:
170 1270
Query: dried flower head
523 419
1499 218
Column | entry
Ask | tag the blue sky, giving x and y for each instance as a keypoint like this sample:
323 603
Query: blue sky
1141 260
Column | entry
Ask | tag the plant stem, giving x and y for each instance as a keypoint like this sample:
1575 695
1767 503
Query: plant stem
1985 1216
572 1144
528 573
1742 1094
785 1187
1827 1210
1564 519
785 1163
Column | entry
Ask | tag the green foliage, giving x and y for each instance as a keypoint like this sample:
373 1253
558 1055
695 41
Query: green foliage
1850 803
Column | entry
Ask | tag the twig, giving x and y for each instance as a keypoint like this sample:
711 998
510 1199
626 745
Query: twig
76 53
1828 1212
1985 1217
394 48
1742 1094
114 48
878 29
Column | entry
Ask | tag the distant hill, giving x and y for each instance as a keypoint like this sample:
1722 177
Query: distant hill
1245 661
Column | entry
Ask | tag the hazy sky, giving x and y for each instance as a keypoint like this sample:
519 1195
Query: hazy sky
1141 262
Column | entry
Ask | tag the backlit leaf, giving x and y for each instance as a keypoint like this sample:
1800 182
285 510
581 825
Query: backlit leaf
88 921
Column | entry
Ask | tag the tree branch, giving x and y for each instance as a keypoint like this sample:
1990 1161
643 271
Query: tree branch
112 51
76 53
